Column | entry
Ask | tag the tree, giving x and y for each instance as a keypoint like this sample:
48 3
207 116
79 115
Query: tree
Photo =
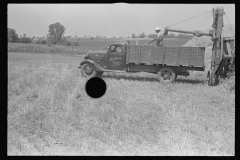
55 32
12 36
142 35
25 40
133 36
76 44
152 36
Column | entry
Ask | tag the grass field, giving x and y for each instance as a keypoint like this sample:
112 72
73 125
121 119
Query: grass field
49 112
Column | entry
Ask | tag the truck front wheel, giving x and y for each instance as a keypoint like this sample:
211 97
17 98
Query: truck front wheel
88 70
166 75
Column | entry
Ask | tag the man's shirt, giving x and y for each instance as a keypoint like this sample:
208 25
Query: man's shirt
159 41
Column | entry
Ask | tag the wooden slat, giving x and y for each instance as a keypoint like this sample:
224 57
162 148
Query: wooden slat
146 54
158 55
171 56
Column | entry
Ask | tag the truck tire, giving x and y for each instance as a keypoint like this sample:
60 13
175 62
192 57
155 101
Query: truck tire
88 70
166 75
211 78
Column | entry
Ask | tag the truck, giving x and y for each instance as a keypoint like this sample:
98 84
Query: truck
167 62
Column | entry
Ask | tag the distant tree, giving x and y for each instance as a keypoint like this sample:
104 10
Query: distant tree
152 36
24 35
97 36
25 40
42 41
113 36
76 36
133 36
68 43
56 32
91 38
76 44
12 36
85 36
142 35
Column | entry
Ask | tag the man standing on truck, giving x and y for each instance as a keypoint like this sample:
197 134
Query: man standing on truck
159 39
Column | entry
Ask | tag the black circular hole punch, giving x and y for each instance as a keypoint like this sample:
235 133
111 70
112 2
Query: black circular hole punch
96 87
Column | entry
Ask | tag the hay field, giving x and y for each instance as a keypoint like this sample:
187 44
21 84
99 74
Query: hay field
49 112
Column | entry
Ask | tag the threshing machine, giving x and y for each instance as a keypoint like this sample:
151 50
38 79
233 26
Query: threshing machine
223 50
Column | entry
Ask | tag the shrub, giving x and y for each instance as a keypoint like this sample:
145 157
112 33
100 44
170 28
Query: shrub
42 41
76 43
25 40
68 43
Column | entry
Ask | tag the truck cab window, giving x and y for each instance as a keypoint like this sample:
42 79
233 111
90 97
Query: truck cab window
113 48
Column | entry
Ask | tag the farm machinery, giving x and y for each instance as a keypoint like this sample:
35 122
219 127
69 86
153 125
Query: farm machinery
167 62
223 49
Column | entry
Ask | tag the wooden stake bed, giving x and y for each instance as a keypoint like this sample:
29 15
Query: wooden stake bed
170 56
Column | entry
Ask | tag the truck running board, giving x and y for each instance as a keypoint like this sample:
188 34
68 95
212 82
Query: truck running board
116 71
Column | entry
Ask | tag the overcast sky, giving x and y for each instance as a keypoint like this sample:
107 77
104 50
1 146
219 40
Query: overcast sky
110 20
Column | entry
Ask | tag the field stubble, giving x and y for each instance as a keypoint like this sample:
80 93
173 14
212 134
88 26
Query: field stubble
49 113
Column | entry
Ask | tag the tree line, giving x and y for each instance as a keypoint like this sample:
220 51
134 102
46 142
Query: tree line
56 32
54 36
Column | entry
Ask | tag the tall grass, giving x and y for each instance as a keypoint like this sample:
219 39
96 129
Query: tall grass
49 113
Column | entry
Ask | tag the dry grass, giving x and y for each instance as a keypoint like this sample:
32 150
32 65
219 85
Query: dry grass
49 112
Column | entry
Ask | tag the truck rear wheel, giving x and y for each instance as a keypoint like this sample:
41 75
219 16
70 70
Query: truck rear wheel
211 78
166 75
88 70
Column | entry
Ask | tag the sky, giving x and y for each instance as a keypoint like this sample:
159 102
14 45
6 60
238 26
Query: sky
116 19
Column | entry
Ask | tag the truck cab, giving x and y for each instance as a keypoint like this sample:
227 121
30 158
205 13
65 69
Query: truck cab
112 58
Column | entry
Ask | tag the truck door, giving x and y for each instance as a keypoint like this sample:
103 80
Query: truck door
116 57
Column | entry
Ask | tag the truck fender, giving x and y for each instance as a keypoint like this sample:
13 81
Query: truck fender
95 64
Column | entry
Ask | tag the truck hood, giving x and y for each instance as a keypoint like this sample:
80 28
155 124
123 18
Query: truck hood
96 54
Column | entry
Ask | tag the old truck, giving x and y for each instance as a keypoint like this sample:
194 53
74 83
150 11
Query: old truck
168 62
